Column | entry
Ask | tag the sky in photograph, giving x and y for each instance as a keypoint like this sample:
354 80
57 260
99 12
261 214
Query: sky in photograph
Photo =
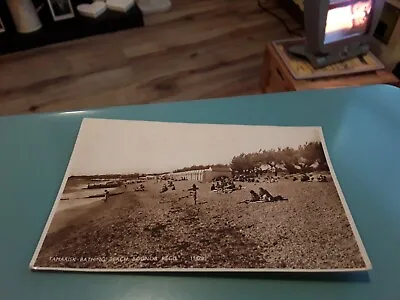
124 147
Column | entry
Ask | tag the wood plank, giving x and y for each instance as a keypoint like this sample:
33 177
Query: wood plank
201 49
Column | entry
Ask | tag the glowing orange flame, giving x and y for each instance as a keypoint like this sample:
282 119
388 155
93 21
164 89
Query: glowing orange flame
353 16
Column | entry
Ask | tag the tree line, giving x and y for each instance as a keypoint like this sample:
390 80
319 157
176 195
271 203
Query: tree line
199 167
305 158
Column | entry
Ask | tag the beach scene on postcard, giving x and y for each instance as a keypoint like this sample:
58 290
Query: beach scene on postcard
146 196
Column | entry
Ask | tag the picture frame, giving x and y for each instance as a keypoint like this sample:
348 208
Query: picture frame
61 9
2 27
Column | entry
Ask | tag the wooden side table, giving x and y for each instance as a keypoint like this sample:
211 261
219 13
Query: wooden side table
275 77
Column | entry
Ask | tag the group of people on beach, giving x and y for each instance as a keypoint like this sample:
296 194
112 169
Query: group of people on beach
224 185
264 195
165 187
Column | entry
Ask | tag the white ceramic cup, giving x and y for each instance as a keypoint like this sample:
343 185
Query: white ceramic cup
24 15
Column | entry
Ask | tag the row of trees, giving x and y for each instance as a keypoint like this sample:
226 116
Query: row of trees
305 158
198 167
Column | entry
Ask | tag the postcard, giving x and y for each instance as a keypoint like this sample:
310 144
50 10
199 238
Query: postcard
142 196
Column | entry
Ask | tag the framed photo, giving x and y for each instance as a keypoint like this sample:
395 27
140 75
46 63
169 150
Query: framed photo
61 9
2 28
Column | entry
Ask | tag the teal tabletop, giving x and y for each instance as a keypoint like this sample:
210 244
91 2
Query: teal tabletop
362 131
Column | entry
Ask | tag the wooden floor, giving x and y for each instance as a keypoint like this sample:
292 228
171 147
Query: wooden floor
200 49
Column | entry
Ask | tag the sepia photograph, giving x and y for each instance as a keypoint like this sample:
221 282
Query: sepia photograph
158 196
61 9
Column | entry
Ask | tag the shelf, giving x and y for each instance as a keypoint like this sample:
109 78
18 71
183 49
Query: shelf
70 29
